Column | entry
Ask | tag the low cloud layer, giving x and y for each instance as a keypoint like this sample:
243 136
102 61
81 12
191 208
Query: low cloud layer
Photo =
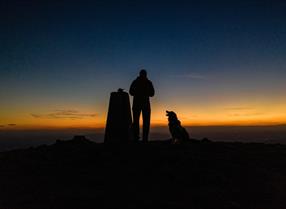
8 125
242 112
245 114
239 108
64 114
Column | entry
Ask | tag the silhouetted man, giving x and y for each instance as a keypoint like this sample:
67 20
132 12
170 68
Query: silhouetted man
141 89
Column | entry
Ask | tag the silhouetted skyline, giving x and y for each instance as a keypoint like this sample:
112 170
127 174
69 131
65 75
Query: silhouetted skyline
212 63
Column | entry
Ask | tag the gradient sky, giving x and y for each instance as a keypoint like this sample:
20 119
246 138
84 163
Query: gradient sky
221 63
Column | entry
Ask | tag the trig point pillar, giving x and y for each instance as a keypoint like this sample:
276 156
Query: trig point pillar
119 118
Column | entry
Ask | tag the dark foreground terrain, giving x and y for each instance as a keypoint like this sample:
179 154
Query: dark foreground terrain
81 174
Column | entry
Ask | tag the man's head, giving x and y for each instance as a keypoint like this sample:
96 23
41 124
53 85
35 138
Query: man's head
143 73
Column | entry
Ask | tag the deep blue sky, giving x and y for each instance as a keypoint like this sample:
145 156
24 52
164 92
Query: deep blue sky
205 58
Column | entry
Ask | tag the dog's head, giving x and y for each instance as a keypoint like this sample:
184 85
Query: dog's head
171 115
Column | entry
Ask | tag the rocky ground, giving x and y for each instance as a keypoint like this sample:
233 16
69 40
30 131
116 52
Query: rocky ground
81 174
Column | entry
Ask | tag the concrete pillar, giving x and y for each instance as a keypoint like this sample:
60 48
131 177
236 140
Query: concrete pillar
119 120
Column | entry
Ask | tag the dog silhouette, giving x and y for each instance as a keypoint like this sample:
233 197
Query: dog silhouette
178 133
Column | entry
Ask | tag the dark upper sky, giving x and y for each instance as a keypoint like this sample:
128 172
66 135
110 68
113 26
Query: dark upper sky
205 58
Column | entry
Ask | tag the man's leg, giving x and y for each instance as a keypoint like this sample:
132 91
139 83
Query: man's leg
146 123
136 117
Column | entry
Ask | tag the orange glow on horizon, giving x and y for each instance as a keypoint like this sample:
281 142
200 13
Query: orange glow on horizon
157 120
220 114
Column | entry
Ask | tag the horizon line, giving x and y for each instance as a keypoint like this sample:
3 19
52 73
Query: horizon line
152 126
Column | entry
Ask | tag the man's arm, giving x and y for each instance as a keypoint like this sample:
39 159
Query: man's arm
151 89
132 89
